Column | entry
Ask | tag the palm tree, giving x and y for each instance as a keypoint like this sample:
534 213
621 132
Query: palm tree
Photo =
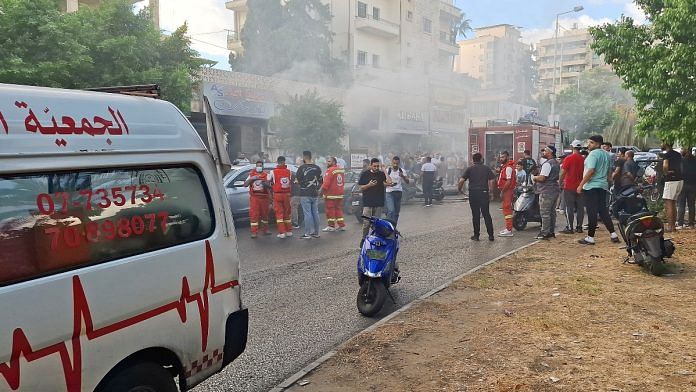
461 27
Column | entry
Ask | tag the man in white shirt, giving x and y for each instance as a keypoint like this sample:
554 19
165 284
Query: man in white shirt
428 173
394 191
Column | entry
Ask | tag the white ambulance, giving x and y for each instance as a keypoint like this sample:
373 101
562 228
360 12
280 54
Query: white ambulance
118 261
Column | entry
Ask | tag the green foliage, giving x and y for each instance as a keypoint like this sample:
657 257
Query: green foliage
276 37
591 108
622 131
310 122
657 62
461 27
93 47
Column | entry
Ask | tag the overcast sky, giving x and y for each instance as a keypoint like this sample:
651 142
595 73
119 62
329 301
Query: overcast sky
208 19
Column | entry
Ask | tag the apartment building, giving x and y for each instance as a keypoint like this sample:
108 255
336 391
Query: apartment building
401 54
382 34
74 5
571 55
497 57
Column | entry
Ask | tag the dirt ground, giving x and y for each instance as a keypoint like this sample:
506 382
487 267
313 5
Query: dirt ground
555 316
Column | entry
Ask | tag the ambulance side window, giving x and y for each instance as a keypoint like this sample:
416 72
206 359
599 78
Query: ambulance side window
53 222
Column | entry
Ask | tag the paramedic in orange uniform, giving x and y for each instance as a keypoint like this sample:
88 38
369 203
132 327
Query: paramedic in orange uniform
332 190
258 200
281 181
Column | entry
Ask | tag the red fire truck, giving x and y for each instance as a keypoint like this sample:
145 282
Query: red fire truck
515 138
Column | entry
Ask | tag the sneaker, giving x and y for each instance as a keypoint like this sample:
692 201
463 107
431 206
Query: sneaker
505 233
679 227
295 226
288 234
474 238
281 235
615 239
315 235
568 231
491 238
586 241
578 229
305 237
545 236
328 229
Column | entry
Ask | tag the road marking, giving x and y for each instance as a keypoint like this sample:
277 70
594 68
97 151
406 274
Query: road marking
288 382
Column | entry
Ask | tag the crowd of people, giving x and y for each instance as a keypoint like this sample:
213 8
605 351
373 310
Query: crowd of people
578 185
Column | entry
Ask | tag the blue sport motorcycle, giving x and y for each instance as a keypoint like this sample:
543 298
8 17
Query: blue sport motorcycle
377 269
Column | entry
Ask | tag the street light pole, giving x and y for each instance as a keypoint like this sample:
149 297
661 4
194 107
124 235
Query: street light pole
555 60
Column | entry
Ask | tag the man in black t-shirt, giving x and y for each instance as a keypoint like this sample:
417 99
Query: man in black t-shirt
310 180
372 183
481 183
671 167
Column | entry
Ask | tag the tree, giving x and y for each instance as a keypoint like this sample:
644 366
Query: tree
657 62
310 122
591 107
94 47
277 36
461 27
622 131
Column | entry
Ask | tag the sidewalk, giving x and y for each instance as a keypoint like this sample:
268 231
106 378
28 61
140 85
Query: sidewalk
555 316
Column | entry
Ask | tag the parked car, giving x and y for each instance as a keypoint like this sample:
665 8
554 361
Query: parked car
238 194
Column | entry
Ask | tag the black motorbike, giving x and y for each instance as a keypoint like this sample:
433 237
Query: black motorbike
642 230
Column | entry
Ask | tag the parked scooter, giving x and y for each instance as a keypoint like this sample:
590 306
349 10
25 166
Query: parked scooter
526 208
377 266
642 230
438 189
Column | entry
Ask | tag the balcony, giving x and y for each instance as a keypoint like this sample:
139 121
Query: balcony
449 8
236 5
447 43
234 42
378 27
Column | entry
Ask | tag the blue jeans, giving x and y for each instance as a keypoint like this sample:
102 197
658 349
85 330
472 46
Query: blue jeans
392 203
310 208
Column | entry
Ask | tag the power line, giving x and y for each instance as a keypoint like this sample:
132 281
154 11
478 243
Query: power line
199 41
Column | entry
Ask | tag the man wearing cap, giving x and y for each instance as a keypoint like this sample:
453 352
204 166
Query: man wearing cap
571 176
594 186
547 186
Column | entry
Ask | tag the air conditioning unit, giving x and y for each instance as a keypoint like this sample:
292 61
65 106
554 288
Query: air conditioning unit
272 141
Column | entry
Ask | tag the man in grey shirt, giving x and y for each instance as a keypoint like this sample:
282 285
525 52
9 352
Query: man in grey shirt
549 191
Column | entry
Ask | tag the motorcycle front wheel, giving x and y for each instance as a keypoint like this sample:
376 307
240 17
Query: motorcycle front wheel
439 196
519 221
371 297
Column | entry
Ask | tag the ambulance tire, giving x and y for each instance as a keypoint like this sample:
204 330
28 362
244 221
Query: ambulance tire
141 377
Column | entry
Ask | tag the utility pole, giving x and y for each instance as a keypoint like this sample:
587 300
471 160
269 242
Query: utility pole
555 61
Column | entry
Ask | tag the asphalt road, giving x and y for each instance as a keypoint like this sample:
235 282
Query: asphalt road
301 293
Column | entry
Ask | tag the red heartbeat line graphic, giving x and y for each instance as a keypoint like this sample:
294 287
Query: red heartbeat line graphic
72 367
61 142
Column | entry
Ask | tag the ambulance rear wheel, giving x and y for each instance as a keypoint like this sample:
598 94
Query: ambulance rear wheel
140 377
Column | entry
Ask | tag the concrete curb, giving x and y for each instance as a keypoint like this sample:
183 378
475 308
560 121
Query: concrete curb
288 382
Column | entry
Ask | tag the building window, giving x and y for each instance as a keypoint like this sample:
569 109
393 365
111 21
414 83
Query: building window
375 13
362 10
427 25
409 15
375 60
362 57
